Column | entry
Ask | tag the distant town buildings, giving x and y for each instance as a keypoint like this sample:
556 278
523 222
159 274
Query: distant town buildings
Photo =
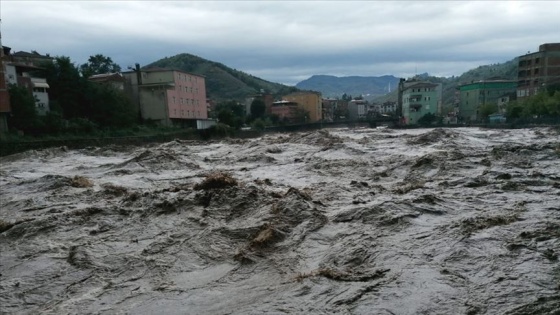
388 108
538 70
168 96
484 92
309 101
357 109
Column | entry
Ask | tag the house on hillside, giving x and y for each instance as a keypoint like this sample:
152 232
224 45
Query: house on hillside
484 92
168 96
538 70
417 99
309 101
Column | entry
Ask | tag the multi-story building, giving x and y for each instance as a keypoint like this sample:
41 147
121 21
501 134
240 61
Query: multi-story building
538 70
285 110
331 107
168 96
475 94
18 68
388 108
357 109
418 98
265 97
308 101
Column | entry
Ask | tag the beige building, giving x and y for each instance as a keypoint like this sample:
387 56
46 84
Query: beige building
310 102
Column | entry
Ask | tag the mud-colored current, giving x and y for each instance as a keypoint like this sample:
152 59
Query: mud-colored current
338 221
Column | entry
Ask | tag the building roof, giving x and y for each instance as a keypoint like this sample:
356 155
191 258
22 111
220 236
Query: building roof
107 77
161 69
32 54
284 103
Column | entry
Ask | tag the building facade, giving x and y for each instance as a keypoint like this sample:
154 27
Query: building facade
475 94
308 101
168 96
538 70
18 68
418 99
285 110
357 109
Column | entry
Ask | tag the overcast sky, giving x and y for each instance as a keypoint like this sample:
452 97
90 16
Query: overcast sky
288 41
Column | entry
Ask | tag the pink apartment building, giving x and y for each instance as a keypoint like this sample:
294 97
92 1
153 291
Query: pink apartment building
168 96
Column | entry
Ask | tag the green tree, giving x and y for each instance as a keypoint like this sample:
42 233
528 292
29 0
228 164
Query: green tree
24 115
427 119
99 64
231 113
112 107
258 124
487 109
553 104
514 110
66 87
258 108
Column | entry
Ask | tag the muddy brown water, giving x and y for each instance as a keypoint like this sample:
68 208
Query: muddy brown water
338 221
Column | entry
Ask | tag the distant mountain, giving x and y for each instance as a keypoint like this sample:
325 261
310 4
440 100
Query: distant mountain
506 70
222 83
332 86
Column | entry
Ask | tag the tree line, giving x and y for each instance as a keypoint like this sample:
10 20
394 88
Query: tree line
76 104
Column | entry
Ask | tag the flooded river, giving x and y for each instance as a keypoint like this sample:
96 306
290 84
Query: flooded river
337 221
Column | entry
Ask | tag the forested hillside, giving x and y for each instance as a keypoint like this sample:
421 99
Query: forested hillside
222 82
332 86
506 70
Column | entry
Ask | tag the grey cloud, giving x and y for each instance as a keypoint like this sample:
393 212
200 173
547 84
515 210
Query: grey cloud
287 41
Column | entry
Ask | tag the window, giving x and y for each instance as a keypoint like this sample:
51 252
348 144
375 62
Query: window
174 100
182 100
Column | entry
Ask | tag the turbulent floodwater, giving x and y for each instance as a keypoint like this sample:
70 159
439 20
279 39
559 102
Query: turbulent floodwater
338 221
